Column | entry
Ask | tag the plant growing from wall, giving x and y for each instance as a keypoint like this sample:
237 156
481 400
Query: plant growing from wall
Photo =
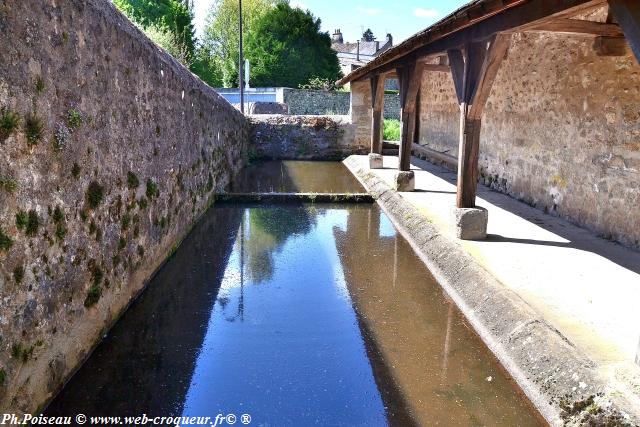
8 184
28 222
9 122
5 241
152 189
33 128
74 118
39 85
59 220
18 274
132 180
95 194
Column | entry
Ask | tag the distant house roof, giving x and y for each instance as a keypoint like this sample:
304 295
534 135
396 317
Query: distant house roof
475 21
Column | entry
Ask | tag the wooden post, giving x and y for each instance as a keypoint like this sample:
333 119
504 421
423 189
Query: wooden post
377 103
627 13
473 71
409 78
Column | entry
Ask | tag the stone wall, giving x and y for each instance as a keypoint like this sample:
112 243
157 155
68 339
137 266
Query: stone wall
318 102
304 137
561 131
115 154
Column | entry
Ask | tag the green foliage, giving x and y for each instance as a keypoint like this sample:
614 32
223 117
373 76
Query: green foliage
93 296
33 128
286 48
21 353
18 274
21 220
28 222
9 122
368 36
74 118
58 215
142 203
391 130
132 180
39 85
5 241
206 66
59 220
122 243
167 15
152 189
8 184
221 37
3 377
317 83
95 194
126 220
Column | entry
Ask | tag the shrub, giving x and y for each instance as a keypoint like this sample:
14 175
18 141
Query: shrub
18 274
74 118
132 180
33 128
75 170
93 296
152 189
391 130
8 123
5 241
58 215
33 222
95 194
8 183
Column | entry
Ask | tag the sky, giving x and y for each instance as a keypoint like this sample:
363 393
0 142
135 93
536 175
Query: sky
401 18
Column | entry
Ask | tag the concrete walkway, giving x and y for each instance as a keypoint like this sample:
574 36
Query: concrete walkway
585 287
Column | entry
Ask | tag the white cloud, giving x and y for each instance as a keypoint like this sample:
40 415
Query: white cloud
368 10
425 13
299 5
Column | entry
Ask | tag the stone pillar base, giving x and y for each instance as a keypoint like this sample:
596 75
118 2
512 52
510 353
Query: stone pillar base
375 161
470 223
405 181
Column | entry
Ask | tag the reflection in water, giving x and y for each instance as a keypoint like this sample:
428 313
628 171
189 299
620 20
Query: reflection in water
297 176
297 315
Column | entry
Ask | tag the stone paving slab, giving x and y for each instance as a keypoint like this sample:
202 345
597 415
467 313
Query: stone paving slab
555 303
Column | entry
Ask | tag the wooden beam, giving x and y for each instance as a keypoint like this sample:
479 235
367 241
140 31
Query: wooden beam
512 16
480 63
611 46
410 78
578 26
627 13
436 68
377 104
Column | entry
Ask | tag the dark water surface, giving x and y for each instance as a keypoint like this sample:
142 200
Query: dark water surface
296 315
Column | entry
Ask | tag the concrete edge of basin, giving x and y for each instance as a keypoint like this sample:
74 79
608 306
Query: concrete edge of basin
561 382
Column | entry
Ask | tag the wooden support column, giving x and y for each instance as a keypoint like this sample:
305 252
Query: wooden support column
627 13
473 69
377 104
409 78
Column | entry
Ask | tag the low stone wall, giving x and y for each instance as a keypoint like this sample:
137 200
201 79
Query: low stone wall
110 151
319 102
304 137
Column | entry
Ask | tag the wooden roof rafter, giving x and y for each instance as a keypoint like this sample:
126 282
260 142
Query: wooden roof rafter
482 19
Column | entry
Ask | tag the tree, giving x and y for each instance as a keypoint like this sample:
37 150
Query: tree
286 48
221 37
169 23
368 36
173 15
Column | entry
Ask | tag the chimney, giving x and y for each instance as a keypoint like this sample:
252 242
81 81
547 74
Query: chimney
358 52
389 39
337 36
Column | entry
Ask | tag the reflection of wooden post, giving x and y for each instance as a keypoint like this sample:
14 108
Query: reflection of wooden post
447 339
377 105
409 78
473 71
627 13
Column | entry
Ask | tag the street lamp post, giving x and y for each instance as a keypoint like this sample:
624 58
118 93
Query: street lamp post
241 60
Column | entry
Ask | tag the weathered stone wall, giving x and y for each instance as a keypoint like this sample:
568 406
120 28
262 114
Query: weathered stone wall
304 137
561 131
116 153
318 102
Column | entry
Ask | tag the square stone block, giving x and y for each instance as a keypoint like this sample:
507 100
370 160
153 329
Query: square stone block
405 181
375 161
470 223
